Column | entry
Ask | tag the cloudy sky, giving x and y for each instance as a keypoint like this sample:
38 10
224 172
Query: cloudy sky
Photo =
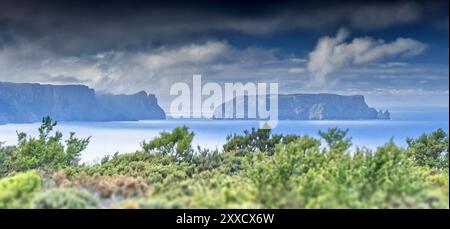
394 53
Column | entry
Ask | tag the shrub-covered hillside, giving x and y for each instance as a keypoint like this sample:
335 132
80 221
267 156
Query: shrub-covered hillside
256 169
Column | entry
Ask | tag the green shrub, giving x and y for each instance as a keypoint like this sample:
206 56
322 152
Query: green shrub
217 190
46 151
430 149
254 140
177 143
256 170
228 162
261 140
64 199
273 176
17 191
208 189
336 139
301 175
5 160
153 168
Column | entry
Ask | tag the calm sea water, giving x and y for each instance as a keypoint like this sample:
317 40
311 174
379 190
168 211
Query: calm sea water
110 137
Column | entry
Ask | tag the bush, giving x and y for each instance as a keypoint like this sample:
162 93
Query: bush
227 162
5 157
209 189
272 176
17 191
46 151
336 139
259 170
256 140
177 143
105 186
430 149
301 175
64 199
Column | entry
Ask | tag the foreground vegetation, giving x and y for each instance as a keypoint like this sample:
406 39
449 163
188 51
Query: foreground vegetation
255 170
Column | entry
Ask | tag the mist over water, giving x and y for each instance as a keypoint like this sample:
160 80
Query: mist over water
124 137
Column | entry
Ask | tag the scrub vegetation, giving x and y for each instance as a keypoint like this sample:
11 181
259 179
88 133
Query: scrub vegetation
256 169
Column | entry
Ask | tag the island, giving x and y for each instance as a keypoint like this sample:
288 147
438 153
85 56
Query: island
322 106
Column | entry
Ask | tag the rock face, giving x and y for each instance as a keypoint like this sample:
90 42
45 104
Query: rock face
30 102
326 107
137 106
318 107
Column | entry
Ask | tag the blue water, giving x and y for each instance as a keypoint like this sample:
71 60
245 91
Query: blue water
110 137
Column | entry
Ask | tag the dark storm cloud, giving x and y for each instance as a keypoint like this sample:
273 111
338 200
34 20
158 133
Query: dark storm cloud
129 46
92 26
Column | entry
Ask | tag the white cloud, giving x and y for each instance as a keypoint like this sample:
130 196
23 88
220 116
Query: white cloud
194 54
154 70
334 53
121 71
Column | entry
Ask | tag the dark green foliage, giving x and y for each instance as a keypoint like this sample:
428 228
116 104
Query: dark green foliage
6 153
206 160
255 140
45 152
430 149
336 139
286 139
261 140
64 199
177 143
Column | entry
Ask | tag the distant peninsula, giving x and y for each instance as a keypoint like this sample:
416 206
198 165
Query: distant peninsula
29 102
26 102
315 107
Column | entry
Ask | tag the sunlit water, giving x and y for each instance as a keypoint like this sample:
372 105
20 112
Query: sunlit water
110 137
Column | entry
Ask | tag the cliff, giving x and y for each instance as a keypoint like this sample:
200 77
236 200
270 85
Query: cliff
30 102
319 107
137 106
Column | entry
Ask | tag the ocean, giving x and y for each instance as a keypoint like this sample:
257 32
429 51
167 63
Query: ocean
124 137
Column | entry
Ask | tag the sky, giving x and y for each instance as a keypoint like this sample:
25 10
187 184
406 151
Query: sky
395 53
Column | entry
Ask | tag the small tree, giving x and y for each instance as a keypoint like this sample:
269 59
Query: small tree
336 139
177 143
47 151
430 149
254 140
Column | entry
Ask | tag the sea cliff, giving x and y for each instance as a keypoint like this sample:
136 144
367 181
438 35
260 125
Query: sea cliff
30 102
316 107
